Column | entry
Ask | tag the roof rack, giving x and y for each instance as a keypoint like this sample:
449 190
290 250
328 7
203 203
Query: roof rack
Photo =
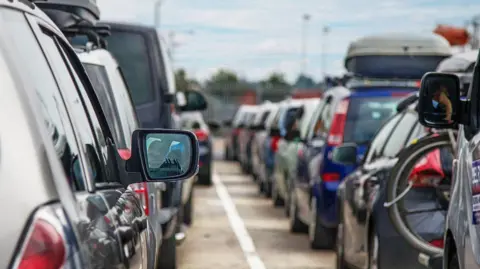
68 13
94 34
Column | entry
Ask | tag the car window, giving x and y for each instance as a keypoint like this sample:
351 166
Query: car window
323 121
71 85
365 115
314 119
378 142
101 84
134 62
399 137
308 113
38 72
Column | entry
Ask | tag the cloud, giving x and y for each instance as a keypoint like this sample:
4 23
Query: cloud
257 37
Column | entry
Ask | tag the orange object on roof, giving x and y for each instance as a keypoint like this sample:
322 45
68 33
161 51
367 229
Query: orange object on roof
456 36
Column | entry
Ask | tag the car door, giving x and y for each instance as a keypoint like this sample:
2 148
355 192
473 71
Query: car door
122 213
96 235
353 202
311 148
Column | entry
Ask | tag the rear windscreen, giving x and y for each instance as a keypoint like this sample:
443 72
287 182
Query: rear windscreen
131 52
366 115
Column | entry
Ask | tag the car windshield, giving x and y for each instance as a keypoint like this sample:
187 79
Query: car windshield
134 62
366 115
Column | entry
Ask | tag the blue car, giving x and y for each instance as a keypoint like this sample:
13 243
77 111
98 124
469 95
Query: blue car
344 115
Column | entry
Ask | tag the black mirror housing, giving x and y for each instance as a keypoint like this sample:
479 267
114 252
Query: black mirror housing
345 154
189 100
439 103
173 142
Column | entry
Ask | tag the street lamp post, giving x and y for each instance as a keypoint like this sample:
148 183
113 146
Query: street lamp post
156 12
325 32
306 19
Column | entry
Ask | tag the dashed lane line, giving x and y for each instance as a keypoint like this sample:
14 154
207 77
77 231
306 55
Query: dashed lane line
238 226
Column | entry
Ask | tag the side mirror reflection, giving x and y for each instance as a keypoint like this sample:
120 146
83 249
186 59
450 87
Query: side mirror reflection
164 154
439 100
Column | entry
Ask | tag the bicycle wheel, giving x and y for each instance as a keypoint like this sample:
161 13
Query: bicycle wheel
400 175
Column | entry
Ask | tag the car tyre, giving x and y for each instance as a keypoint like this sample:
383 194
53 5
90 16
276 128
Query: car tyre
188 209
296 225
168 254
205 179
320 237
340 247
277 200
373 250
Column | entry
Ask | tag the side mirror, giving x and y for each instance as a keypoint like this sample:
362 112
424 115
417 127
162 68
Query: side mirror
213 125
190 101
163 155
345 154
439 100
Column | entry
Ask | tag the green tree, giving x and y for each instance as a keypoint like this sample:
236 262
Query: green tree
183 82
275 80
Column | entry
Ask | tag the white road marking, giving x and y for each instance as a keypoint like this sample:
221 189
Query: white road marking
238 227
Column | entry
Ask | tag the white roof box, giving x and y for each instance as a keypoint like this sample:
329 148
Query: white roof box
399 44
68 13
459 63
396 55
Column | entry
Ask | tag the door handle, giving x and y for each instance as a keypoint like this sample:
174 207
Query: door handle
125 234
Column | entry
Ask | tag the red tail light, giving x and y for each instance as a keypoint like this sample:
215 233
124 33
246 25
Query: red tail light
437 243
45 248
202 135
428 171
274 144
330 177
125 154
141 189
335 136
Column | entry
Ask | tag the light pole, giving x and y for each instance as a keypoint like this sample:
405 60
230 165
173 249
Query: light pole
156 12
325 32
306 19
173 45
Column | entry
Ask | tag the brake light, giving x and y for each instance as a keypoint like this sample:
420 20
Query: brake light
330 177
125 154
437 243
201 135
45 248
141 189
274 144
335 136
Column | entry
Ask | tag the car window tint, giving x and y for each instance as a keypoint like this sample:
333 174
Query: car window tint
323 121
70 86
38 72
378 142
314 119
135 63
399 136
101 84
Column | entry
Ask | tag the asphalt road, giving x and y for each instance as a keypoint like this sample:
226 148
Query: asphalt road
236 228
